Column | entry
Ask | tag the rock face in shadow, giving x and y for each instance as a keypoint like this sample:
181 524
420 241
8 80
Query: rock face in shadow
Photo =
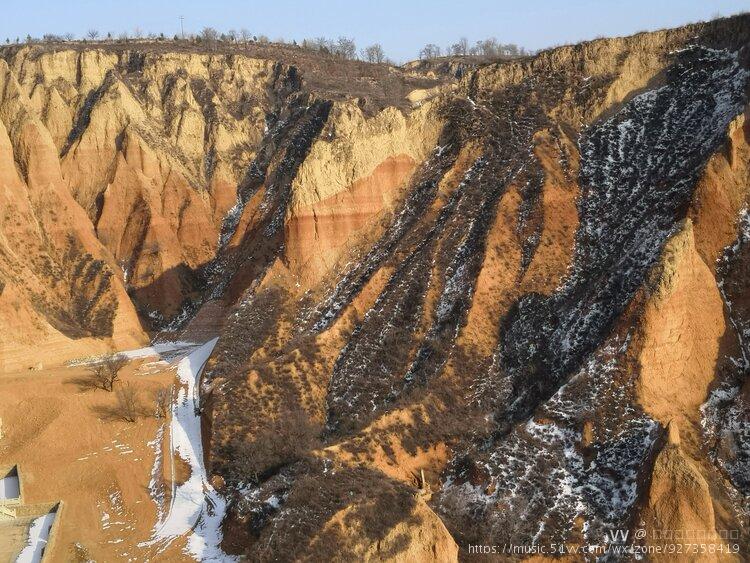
461 312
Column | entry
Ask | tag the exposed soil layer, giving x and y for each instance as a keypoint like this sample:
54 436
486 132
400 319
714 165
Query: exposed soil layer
497 303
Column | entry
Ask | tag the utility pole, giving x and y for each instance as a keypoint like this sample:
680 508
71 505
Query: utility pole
182 28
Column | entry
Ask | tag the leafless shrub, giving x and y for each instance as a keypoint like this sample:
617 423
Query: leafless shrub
209 35
92 34
279 445
114 365
346 48
430 51
460 48
98 376
319 495
163 400
127 402
492 48
105 374
374 53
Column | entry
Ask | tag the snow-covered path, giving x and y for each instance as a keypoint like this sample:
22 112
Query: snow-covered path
38 535
196 509
158 349
168 351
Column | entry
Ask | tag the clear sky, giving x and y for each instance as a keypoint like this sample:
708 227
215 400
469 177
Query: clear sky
402 27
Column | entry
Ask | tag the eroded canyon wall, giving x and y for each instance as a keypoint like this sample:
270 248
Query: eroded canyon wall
500 308
541 302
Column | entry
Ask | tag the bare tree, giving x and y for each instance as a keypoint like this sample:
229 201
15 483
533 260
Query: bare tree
163 401
209 34
320 44
346 48
492 48
104 374
127 402
487 47
430 51
460 48
374 53
113 366
69 37
92 34
137 33
98 376
244 35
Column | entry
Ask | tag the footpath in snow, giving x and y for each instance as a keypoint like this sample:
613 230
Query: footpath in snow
159 349
196 509
38 535
167 351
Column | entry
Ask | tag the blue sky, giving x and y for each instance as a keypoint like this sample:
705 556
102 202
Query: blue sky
402 27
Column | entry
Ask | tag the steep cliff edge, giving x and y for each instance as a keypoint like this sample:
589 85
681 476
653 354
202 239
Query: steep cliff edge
58 280
157 148
537 303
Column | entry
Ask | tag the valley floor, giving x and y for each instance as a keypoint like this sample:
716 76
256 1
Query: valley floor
114 478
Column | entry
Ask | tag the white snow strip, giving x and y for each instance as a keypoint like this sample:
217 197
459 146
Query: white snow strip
196 509
9 487
155 485
38 536
156 349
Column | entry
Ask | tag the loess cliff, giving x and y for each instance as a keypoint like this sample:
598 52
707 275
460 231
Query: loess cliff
500 304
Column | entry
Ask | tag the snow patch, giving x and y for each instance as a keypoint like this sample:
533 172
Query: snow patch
196 509
38 537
